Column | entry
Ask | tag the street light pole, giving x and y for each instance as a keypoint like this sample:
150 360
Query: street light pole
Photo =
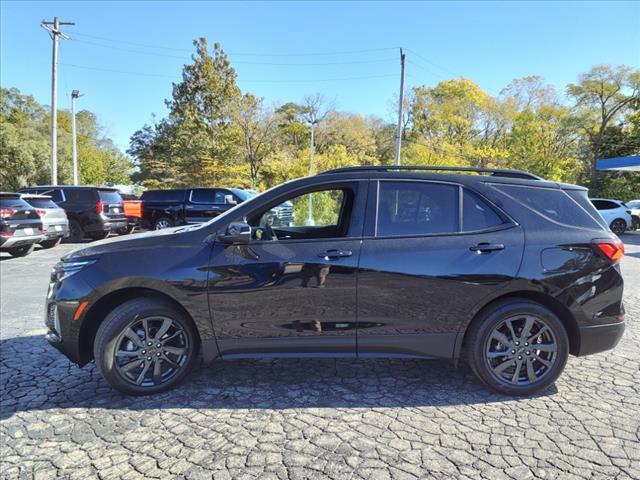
310 221
74 95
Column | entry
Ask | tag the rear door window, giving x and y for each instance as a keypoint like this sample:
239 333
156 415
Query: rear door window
203 195
605 204
417 208
163 196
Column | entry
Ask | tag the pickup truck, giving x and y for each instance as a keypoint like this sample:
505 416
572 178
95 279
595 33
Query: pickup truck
168 208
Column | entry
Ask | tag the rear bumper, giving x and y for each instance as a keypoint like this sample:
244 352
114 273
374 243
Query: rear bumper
598 338
21 241
56 231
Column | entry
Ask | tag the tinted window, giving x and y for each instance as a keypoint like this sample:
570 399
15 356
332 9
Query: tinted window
79 195
605 204
41 202
204 195
15 203
417 208
163 196
56 194
551 203
477 214
110 196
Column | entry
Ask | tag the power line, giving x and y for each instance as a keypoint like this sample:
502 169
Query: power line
246 54
241 62
432 63
148 74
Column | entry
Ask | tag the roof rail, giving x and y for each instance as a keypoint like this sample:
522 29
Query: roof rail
386 168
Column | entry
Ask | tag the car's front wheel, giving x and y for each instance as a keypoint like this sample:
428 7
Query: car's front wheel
618 226
517 347
145 346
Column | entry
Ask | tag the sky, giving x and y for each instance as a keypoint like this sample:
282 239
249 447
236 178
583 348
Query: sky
124 56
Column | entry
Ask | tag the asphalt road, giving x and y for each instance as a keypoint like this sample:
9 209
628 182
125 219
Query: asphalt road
299 419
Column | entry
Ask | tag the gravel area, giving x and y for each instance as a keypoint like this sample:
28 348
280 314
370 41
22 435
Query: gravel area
307 419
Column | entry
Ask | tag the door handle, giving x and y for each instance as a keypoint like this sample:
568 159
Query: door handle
486 247
333 254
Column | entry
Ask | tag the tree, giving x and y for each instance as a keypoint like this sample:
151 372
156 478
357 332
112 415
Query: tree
603 95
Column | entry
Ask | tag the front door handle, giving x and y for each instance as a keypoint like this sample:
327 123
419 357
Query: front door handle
486 247
333 254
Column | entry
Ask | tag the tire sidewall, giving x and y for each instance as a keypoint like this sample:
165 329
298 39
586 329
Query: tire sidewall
484 329
105 344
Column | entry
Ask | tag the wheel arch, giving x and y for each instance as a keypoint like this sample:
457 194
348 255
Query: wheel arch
560 310
96 314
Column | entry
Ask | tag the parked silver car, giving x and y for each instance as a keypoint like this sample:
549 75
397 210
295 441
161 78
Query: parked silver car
55 224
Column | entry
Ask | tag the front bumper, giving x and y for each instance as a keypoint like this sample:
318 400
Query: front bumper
599 338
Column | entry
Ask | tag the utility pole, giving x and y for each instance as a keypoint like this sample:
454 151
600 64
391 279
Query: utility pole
74 95
54 31
400 102
310 221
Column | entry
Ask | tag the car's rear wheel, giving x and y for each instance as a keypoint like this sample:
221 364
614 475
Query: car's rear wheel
145 346
76 234
21 251
162 223
125 230
618 226
51 243
517 347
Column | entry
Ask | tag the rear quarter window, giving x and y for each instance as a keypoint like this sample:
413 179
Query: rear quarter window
550 203
477 214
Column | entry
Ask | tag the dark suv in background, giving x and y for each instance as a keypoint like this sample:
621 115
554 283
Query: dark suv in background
92 211
498 268
168 208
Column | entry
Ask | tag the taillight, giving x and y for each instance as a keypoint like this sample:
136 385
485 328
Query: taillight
99 206
611 249
6 212
41 212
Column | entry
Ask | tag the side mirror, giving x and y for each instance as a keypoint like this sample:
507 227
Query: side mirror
229 199
237 232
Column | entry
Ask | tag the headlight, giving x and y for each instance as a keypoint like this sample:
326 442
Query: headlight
64 270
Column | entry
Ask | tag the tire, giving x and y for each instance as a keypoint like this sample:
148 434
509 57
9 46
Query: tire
498 371
51 243
126 230
21 251
162 223
99 235
130 317
76 234
618 226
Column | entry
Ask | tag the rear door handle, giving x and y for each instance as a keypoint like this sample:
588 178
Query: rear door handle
332 254
486 247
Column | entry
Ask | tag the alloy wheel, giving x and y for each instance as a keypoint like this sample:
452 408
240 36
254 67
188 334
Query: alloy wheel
151 351
521 350
162 224
618 226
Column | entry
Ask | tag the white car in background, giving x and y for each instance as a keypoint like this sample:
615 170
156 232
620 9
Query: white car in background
634 206
615 213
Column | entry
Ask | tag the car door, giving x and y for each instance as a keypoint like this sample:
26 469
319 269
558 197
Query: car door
200 206
292 290
431 252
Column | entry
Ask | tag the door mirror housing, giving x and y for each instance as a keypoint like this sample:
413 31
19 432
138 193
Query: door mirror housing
230 200
236 233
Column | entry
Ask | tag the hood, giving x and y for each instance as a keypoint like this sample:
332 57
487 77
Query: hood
129 242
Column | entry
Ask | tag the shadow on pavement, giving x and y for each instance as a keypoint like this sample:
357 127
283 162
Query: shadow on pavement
36 377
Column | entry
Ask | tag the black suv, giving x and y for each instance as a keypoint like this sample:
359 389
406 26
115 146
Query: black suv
503 269
92 211
168 208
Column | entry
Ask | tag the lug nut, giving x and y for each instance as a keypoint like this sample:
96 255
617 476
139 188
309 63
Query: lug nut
519 357
526 344
512 351
517 343
144 352
149 358
149 343
528 352
158 354
158 345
